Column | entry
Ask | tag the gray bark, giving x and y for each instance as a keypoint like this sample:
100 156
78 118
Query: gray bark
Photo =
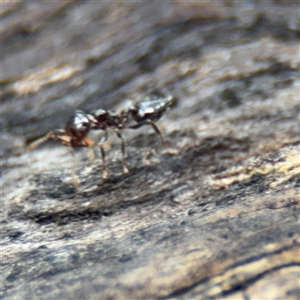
217 217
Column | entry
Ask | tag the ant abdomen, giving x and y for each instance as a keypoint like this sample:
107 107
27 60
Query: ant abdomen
151 108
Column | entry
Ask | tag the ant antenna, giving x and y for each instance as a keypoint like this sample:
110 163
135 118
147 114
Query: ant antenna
40 141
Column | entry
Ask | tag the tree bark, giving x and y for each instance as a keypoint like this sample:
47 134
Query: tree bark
216 216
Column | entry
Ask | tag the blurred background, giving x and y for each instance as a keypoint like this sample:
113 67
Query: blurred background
97 54
162 231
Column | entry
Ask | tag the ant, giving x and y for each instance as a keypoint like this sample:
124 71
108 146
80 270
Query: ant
75 133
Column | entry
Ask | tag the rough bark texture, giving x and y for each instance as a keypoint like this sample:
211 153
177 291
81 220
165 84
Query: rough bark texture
217 218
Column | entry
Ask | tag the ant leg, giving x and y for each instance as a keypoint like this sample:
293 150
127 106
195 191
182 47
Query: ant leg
92 154
104 174
74 167
154 126
123 146
102 141
42 140
156 129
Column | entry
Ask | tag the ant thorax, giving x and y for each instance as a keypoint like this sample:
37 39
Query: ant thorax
101 119
98 119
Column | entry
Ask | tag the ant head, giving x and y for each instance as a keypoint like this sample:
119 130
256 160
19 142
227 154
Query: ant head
78 126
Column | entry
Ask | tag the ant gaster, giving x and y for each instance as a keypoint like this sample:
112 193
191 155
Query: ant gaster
75 133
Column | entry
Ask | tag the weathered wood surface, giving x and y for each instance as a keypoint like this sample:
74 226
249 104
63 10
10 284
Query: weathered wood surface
218 219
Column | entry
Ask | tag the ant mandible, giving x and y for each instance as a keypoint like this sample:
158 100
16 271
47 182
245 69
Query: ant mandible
75 133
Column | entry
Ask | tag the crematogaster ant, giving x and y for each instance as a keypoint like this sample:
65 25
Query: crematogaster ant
75 133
